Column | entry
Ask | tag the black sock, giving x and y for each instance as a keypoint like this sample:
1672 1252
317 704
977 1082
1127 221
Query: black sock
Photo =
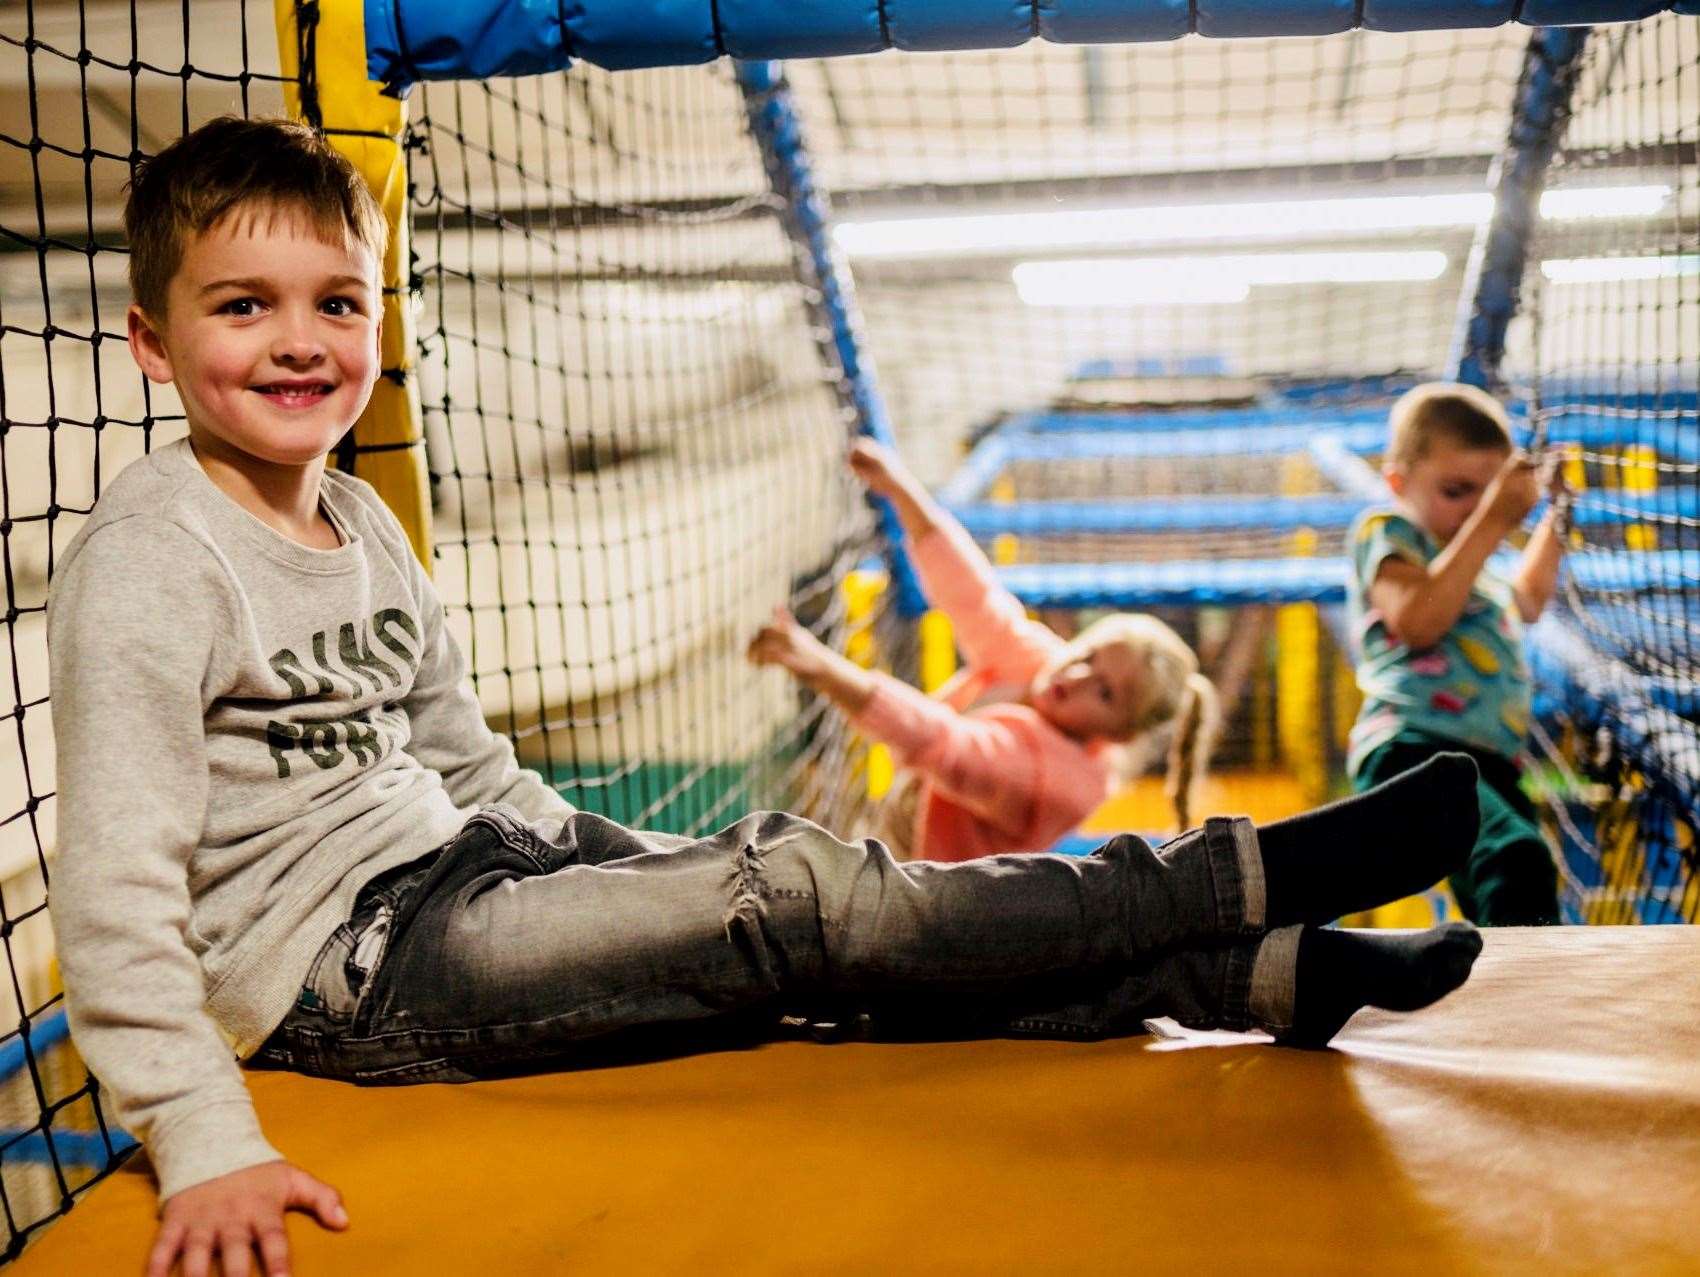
1341 972
1387 843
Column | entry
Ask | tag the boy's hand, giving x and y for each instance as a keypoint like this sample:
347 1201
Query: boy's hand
787 644
877 468
1515 489
1553 482
232 1216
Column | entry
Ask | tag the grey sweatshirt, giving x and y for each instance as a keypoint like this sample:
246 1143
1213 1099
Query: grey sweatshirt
248 730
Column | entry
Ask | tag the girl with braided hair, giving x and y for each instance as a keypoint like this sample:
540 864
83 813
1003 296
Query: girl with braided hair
1022 745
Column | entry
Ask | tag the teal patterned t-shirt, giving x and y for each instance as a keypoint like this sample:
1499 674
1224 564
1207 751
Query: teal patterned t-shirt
1471 687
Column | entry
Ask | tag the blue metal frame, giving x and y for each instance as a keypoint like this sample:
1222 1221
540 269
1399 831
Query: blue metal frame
1237 582
831 292
1675 436
1493 280
988 519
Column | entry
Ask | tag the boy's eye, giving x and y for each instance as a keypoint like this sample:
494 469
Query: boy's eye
340 306
241 307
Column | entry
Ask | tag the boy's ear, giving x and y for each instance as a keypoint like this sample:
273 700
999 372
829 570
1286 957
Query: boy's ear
1395 476
146 348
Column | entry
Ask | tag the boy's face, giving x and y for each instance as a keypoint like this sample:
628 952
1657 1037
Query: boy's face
270 334
1443 487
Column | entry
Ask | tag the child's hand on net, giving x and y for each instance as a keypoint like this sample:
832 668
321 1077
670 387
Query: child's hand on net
785 643
877 467
1553 483
1559 493
1515 489
228 1218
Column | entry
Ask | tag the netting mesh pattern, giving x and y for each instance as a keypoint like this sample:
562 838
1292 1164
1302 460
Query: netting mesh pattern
1613 317
635 451
85 91
1182 147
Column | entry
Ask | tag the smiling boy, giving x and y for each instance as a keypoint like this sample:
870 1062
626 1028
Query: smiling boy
256 713
1439 631
287 835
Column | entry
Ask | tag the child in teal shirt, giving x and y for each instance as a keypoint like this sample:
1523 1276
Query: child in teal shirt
1439 631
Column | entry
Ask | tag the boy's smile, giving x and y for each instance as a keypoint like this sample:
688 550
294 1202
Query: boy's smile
271 336
1443 487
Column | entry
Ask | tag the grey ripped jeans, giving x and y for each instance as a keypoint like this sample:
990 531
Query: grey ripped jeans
519 946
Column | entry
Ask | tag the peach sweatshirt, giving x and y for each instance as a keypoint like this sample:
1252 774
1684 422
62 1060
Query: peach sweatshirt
995 776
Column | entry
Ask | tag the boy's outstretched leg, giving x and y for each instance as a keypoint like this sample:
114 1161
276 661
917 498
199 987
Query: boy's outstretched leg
1302 984
1386 843
1338 973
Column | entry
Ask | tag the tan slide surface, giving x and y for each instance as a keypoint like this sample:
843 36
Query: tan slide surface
1546 1119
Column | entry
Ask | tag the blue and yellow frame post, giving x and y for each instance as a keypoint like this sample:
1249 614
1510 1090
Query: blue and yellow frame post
828 289
322 52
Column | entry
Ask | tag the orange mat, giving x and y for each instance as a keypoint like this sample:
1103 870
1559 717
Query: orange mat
1544 1120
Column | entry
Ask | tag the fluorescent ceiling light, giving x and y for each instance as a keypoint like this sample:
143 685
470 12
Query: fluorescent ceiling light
1588 270
1174 223
1223 278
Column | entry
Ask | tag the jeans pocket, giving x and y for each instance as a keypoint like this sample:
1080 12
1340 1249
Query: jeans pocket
341 974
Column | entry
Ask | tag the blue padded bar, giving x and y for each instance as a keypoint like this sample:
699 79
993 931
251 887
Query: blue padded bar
1236 582
1229 18
1584 13
1113 21
657 33
1402 15
411 40
762 30
949 24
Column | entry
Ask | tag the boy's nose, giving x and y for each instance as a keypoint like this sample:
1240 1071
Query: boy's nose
296 344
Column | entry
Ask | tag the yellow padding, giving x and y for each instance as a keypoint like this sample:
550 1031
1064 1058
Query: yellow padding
366 126
1545 1120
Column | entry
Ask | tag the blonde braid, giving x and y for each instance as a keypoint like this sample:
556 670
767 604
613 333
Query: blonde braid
1192 744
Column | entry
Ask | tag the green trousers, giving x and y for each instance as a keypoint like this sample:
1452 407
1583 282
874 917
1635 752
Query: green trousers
1511 879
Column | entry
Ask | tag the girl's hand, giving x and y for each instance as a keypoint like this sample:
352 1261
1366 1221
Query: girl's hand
785 643
878 468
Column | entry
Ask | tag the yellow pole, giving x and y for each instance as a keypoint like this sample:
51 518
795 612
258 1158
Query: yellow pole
1298 668
1640 473
938 651
862 590
367 127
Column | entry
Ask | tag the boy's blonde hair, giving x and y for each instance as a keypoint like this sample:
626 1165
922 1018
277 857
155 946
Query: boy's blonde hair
1464 415
1175 692
231 163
